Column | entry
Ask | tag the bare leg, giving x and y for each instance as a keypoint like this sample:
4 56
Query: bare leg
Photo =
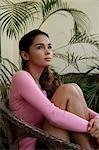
79 108
69 97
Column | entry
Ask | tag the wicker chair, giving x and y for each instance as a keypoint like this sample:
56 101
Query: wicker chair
16 129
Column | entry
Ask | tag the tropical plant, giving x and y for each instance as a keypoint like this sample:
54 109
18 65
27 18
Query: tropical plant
14 16
7 71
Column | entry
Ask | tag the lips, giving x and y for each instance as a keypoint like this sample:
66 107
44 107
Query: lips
48 58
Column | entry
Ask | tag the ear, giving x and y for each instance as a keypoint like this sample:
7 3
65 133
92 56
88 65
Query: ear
24 55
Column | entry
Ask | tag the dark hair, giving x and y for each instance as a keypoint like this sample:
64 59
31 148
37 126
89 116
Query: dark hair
47 79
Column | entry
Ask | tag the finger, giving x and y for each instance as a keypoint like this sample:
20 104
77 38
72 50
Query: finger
91 122
95 134
93 130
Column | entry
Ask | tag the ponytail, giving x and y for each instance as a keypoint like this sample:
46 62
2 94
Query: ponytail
49 81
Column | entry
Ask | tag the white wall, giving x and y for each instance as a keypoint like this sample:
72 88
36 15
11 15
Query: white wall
59 28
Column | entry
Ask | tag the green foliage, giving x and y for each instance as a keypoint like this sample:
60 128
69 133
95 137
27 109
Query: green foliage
7 71
14 16
50 7
82 37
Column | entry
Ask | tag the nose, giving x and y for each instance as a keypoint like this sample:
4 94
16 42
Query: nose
47 51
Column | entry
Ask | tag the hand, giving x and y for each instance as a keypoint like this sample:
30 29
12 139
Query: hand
94 131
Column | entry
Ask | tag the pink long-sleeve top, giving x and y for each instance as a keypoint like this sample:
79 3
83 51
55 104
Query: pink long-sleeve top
29 103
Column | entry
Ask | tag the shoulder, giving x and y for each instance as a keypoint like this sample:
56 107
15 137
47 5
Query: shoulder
21 75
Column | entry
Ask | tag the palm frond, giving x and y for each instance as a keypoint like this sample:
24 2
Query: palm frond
73 59
70 59
93 67
7 71
11 64
92 93
14 16
61 56
82 37
47 7
50 7
6 76
81 21
3 89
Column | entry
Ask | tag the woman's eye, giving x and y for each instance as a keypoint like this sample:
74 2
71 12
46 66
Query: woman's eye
39 47
44 47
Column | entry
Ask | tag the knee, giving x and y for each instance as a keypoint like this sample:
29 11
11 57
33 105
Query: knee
65 89
73 88
71 91
69 88
78 89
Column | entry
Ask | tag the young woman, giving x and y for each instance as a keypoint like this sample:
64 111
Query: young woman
36 94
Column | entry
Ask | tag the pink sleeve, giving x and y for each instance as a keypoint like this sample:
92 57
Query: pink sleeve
93 114
29 90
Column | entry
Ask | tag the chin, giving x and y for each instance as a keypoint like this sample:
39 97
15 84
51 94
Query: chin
46 65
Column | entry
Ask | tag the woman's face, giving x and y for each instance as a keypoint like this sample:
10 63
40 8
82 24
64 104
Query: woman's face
40 52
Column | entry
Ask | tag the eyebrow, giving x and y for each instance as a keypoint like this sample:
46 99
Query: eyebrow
42 44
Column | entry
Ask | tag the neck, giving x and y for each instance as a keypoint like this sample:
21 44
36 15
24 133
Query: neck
35 72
